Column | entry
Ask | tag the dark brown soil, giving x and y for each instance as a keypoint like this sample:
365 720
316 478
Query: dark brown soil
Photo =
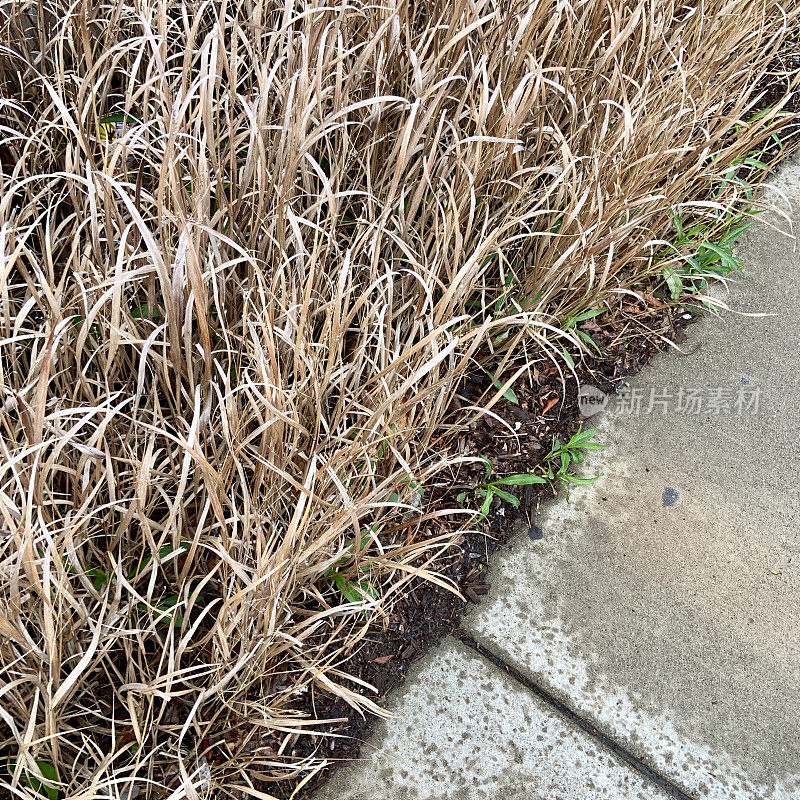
429 612
777 82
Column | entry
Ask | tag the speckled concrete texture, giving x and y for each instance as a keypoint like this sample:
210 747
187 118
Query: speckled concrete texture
663 602
468 732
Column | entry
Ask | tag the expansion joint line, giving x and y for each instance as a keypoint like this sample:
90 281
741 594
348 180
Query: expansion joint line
586 725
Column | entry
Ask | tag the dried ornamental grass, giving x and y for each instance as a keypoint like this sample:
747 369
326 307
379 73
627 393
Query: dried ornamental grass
234 314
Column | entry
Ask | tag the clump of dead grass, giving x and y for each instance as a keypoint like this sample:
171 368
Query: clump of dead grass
231 332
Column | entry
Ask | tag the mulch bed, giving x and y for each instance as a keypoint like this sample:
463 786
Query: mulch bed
547 408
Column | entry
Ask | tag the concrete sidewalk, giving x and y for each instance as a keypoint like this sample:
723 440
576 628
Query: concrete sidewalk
648 646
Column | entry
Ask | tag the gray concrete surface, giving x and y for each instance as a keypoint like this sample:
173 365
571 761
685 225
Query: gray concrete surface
662 604
466 731
663 601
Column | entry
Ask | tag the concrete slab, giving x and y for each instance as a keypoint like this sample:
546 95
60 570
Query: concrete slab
663 602
468 732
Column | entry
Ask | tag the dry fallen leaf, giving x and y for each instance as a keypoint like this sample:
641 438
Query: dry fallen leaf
549 405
